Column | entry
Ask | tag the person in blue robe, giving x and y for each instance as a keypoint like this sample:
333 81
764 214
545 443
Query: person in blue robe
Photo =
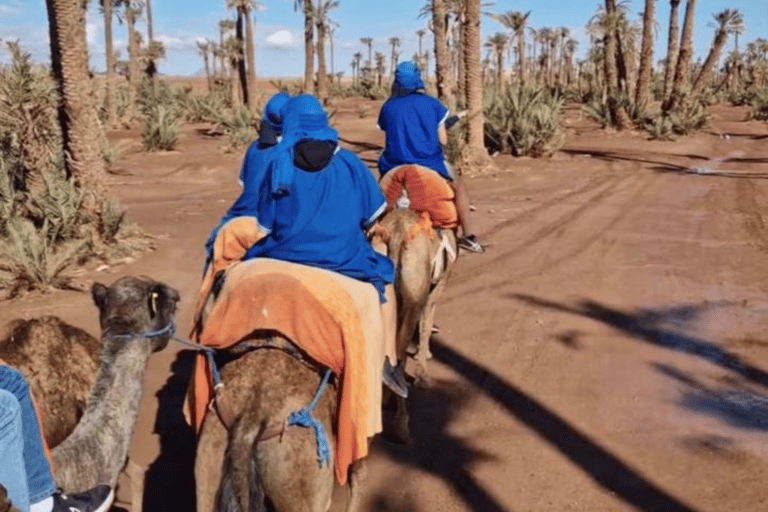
415 126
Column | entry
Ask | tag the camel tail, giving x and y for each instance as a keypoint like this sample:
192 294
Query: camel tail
241 487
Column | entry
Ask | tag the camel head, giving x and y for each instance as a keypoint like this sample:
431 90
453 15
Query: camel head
136 306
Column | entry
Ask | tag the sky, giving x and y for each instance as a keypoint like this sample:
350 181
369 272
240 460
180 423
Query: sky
279 29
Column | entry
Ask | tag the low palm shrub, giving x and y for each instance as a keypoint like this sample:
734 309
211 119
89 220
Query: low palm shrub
161 128
523 121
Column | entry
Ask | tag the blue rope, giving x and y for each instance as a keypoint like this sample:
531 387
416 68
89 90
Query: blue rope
169 330
304 418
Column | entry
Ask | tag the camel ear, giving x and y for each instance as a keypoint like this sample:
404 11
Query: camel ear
99 293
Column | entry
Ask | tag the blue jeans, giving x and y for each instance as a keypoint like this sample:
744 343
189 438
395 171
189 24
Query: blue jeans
39 478
12 474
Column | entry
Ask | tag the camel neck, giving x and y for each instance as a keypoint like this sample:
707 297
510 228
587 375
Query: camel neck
102 437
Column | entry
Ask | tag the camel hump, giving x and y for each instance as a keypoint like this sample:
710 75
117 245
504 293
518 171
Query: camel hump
47 334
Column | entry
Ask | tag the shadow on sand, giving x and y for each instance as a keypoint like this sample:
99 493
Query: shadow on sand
170 480
605 469
658 327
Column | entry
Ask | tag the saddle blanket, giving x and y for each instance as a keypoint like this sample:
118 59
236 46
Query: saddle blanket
335 319
427 191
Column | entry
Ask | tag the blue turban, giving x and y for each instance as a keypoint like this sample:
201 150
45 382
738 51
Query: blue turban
303 119
407 79
273 111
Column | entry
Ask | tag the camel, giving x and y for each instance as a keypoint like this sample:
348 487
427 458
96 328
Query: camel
53 355
259 464
418 285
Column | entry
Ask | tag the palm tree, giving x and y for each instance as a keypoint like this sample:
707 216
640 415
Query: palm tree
421 33
619 116
244 9
683 66
233 52
570 49
673 46
643 91
225 27
563 34
440 22
368 41
322 22
151 67
381 66
498 44
395 43
356 58
204 47
79 123
516 21
109 99
309 46
131 13
728 21
474 87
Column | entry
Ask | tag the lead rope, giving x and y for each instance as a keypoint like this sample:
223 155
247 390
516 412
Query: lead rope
304 418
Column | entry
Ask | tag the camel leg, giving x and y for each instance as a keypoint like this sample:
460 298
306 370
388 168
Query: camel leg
426 322
357 474
136 474
209 461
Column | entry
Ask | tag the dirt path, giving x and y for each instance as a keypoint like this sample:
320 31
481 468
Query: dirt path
608 352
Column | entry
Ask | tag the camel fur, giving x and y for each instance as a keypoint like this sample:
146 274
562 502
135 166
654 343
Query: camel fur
96 448
412 249
235 470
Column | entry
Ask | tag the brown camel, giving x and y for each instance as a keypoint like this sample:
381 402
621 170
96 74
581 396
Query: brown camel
53 356
421 273
259 464
417 282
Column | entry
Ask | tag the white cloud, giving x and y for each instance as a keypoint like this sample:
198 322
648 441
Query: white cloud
172 42
282 40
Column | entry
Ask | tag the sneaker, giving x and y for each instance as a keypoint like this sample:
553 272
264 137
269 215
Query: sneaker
435 329
394 379
470 243
98 499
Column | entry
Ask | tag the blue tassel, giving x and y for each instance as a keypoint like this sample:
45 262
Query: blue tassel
304 418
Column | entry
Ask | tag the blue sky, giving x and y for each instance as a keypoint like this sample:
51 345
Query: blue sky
179 23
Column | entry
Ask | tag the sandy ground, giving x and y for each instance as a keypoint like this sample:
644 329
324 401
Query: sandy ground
607 353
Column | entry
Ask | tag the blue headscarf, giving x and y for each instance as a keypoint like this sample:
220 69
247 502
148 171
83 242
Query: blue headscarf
407 79
303 119
273 111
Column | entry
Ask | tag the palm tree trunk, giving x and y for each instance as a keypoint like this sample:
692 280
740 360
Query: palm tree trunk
250 53
474 88
461 70
619 117
80 125
500 67
150 37
133 66
242 73
322 74
683 67
712 58
207 70
673 46
643 91
309 47
442 72
521 54
109 100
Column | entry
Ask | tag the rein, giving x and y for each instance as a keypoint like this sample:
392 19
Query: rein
301 418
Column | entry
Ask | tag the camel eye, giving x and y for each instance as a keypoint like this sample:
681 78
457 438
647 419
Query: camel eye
153 304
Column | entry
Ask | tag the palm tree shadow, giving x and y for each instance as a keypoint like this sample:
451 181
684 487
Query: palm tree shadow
659 327
606 470
738 406
432 411
170 481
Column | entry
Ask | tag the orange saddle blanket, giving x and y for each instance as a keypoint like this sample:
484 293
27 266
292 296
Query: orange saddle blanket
336 320
427 192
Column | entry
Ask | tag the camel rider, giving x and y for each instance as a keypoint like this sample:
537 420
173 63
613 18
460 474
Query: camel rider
315 202
25 470
270 133
415 127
